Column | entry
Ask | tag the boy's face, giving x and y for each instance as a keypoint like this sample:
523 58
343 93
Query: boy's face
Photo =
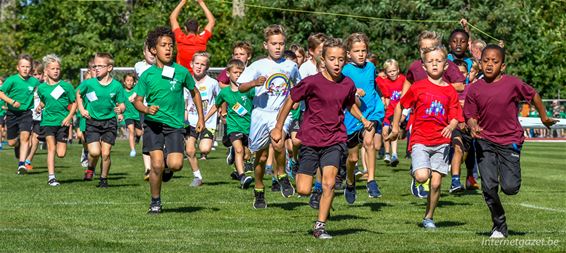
317 51
300 58
334 60
163 50
492 64
199 65
435 63
275 45
24 68
392 72
149 58
241 54
53 70
234 73
459 44
358 54
102 66
129 82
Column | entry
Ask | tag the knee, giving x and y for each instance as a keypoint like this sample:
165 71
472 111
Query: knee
61 154
239 151
303 190
262 159
353 158
12 142
422 175
510 190
175 165
105 154
94 153
191 151
435 185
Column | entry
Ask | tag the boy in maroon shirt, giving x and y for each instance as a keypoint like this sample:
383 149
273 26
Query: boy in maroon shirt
323 133
436 114
491 110
190 42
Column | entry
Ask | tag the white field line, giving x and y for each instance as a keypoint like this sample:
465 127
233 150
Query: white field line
542 208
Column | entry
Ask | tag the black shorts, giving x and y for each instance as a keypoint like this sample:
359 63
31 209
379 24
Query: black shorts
134 122
101 130
2 120
158 136
61 133
467 140
313 158
191 131
35 127
234 136
17 121
378 126
355 139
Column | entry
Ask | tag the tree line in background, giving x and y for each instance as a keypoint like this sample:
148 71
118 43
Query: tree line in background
532 30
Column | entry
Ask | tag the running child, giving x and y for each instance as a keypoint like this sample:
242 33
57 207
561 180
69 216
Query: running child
392 87
191 39
161 85
208 89
3 109
131 116
58 107
36 135
323 134
17 92
271 78
238 118
105 99
458 42
363 73
491 110
436 115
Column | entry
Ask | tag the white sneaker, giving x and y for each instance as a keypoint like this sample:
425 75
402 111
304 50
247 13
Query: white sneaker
133 153
53 182
497 235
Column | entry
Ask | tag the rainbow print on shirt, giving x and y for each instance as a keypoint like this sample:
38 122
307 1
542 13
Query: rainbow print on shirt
436 108
278 84
395 96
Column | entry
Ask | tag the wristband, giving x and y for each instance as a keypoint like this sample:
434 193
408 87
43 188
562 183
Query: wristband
13 102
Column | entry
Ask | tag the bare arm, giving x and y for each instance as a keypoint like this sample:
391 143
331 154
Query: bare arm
175 15
355 111
277 132
8 100
245 87
209 17
195 94
80 105
537 102
211 112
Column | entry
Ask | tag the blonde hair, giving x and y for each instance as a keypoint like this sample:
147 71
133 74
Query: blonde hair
356 37
273 30
430 35
390 63
202 54
108 56
50 58
475 65
235 63
440 48
478 43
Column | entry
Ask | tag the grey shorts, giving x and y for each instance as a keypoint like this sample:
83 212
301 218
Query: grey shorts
435 158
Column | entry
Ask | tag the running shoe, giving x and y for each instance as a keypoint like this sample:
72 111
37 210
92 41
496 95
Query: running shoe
259 200
89 174
287 189
373 189
314 200
350 193
471 183
245 182
428 224
196 182
133 153
394 161
53 182
166 175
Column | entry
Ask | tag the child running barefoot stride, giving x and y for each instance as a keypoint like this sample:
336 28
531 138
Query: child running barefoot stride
491 110
323 133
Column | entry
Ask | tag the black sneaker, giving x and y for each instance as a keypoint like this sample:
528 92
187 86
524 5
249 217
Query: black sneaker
154 208
320 233
287 189
314 201
248 167
234 175
166 175
339 184
103 183
275 186
259 200
246 181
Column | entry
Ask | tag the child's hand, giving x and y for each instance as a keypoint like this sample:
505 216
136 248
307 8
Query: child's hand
360 92
66 122
447 132
152 109
260 81
117 110
475 131
368 125
85 114
548 122
464 22
120 117
393 135
276 134
200 125
462 126
16 104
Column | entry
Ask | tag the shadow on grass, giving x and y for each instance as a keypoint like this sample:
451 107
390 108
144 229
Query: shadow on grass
123 185
346 217
190 209
349 231
289 206
451 203
466 193
119 174
35 172
216 183
511 232
375 206
70 181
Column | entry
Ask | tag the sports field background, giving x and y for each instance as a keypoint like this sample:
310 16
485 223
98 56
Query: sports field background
78 217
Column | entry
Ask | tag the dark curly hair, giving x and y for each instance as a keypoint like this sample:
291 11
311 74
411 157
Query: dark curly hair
154 35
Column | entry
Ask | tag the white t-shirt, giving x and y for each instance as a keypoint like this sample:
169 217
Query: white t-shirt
36 115
308 69
141 67
209 89
281 77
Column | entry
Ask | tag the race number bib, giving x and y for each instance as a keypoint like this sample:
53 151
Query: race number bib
239 109
91 96
57 92
168 72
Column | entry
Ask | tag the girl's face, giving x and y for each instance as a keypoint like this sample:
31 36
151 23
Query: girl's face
300 58
333 60
129 82
392 72
358 53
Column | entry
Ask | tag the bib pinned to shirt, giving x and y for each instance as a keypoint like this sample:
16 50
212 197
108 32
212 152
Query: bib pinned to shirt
239 109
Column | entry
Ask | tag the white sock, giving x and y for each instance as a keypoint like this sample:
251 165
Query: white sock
51 176
197 174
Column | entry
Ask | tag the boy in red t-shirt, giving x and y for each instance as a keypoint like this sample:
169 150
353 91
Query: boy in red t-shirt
391 87
491 110
436 114
322 133
190 41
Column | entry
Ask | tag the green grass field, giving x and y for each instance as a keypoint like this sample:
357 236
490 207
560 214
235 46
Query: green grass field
78 217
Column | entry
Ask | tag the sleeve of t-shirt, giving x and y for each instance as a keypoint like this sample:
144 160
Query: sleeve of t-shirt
296 75
249 74
382 87
300 91
189 82
220 98
70 92
40 95
140 88
120 95
83 87
410 77
453 74
408 100
524 91
215 88
470 105
455 110
206 34
7 85
251 93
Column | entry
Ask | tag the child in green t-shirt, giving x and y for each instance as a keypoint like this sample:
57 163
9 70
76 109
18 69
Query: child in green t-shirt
105 99
57 107
162 86
238 117
131 116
